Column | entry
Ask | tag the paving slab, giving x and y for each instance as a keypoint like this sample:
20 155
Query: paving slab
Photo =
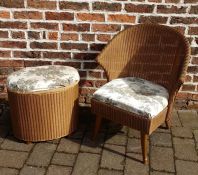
160 173
41 154
175 121
113 157
109 172
12 158
86 164
116 139
185 149
133 133
29 170
182 132
63 159
134 145
195 133
162 159
88 145
134 165
58 170
12 143
161 139
189 118
8 171
69 145
186 167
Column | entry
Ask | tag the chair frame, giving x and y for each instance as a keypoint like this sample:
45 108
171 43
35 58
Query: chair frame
173 83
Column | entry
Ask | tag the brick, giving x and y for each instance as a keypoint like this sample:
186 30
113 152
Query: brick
104 37
4 14
194 50
69 146
27 54
121 18
100 83
8 171
192 69
32 170
18 35
188 78
104 6
41 4
28 15
188 87
188 118
193 31
113 157
33 35
88 65
59 170
134 165
40 25
57 55
74 5
94 74
5 54
44 151
12 158
63 159
139 8
185 149
171 9
88 37
182 132
12 44
12 3
52 35
30 63
194 9
43 45
3 34
97 47
76 65
59 16
11 63
186 167
13 25
76 27
190 1
86 83
11 143
162 163
90 17
153 19
172 1
86 164
105 28
182 20
84 56
76 46
69 37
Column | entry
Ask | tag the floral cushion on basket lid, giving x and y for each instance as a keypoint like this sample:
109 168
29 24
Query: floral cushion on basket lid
135 95
42 78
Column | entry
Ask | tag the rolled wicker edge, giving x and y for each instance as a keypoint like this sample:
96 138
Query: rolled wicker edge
146 125
44 115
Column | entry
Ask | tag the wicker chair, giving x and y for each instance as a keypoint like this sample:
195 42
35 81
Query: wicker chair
150 52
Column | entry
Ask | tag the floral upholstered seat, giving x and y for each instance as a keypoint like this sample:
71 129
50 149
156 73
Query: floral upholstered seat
135 95
42 78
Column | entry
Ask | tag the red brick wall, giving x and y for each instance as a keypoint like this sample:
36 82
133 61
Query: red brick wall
73 32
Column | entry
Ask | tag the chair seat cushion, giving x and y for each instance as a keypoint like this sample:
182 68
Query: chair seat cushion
42 78
134 95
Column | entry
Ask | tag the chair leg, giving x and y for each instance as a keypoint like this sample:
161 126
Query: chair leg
97 127
168 124
144 147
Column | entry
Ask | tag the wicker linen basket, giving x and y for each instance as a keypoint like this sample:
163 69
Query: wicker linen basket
43 108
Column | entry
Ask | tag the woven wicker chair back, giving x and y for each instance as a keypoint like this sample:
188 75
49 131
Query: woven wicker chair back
154 52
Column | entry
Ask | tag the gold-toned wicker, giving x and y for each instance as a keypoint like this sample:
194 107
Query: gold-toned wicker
44 115
153 52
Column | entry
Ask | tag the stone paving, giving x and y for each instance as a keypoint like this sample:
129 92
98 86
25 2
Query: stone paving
116 152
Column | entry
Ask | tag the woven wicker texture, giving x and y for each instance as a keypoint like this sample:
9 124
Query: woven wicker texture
153 52
44 115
